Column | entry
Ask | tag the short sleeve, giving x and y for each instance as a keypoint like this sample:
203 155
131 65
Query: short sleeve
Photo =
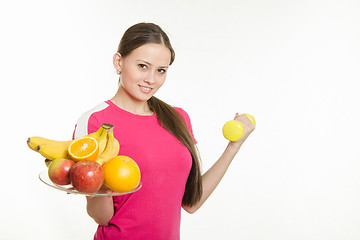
187 121
85 126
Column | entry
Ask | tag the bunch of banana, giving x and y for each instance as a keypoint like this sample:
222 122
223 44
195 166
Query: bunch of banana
112 146
51 149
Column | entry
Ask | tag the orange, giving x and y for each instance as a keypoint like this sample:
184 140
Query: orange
85 148
121 174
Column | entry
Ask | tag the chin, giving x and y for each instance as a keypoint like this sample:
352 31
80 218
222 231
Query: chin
142 98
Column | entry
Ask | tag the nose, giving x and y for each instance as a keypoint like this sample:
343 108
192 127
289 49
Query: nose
150 78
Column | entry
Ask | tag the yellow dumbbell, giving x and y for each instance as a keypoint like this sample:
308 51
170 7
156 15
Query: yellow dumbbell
233 130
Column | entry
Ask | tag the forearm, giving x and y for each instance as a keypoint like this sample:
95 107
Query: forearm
212 177
101 209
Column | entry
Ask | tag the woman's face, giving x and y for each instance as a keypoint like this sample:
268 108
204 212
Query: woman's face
144 70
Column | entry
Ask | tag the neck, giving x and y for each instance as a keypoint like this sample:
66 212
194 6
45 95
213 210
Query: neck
126 102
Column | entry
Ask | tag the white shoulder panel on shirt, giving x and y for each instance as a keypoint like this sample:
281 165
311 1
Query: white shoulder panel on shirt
82 123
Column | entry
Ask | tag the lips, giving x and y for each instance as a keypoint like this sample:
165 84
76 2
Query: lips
145 89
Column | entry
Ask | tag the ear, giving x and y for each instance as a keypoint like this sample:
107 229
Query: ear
117 62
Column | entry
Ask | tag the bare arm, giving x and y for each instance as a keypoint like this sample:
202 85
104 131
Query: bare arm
101 209
213 176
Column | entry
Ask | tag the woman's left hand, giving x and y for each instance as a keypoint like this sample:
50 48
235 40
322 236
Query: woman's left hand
249 127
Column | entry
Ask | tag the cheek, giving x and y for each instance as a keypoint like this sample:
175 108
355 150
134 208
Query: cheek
128 76
161 80
162 83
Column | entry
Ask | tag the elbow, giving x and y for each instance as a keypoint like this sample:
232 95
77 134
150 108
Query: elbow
101 219
102 222
100 209
189 209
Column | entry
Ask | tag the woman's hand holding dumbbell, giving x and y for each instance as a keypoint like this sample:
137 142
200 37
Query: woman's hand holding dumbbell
239 128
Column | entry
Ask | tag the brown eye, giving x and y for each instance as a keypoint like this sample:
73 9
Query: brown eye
142 66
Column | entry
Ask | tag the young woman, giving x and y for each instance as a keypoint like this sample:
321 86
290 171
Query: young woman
159 138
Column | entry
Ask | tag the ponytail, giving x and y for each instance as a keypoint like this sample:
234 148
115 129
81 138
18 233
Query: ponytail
172 121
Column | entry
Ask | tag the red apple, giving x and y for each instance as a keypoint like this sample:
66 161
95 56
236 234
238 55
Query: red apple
87 176
59 171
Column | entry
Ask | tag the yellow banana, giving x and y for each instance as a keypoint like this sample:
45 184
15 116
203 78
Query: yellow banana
52 152
107 126
102 139
34 142
112 147
96 134
52 149
47 162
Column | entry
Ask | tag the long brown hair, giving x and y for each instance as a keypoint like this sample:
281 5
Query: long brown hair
136 36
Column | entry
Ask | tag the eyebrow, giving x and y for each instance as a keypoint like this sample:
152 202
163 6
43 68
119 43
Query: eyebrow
150 63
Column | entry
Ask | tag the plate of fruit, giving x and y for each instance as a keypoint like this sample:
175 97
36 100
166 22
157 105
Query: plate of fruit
89 165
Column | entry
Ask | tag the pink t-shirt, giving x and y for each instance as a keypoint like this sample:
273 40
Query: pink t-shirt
154 211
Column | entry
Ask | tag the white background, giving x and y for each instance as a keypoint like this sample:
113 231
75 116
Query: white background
294 65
